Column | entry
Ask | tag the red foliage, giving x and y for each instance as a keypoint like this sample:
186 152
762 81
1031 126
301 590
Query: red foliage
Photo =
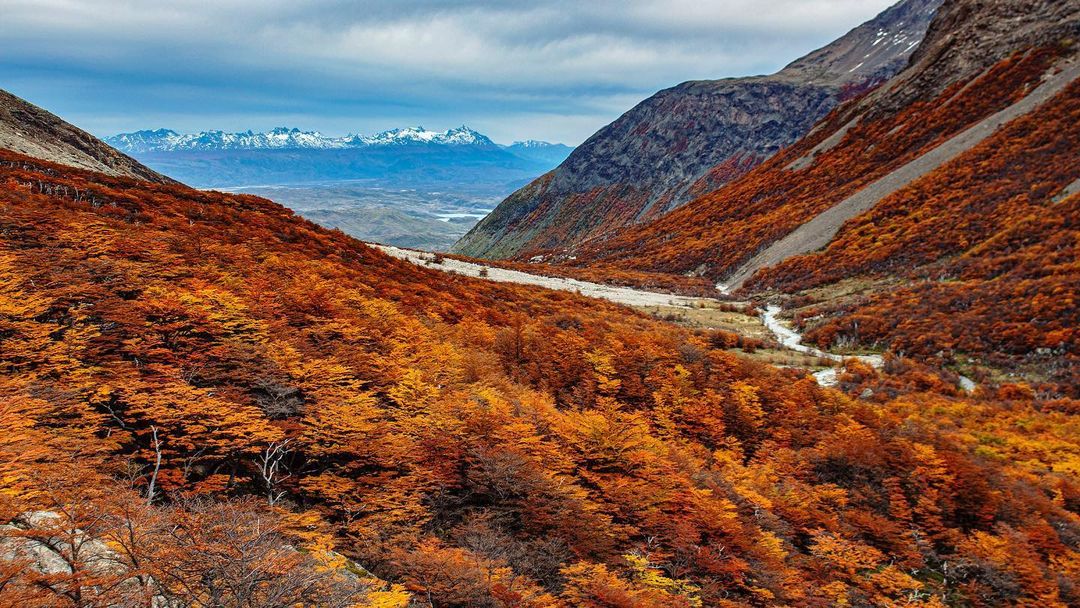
482 444
986 248
718 232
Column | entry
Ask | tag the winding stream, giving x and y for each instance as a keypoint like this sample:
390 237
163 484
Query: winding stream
793 340
788 337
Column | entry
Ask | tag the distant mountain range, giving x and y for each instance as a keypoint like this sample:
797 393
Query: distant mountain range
410 155
283 138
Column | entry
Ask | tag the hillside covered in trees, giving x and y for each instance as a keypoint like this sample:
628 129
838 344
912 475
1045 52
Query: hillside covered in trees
208 401
219 392
933 216
692 139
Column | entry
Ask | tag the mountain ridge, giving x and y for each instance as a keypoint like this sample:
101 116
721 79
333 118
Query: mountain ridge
34 131
410 157
930 216
286 138
692 138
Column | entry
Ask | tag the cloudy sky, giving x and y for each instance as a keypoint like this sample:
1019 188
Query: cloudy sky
544 69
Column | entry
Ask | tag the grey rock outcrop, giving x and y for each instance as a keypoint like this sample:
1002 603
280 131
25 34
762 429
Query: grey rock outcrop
30 130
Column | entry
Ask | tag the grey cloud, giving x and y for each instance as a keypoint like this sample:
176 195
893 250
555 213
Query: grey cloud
551 69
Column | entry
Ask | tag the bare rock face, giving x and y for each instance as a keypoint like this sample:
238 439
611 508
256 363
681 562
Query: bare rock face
970 36
691 139
28 129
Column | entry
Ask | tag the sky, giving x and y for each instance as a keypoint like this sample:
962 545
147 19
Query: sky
554 70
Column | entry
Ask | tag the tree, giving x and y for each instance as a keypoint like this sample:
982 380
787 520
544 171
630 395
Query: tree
272 469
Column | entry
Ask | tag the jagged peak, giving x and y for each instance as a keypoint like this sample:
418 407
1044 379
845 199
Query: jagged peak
167 140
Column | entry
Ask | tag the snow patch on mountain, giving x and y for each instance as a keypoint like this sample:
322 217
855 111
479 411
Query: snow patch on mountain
461 136
533 143
284 138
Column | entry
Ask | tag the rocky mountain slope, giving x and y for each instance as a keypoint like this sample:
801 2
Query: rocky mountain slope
30 130
691 139
818 232
934 215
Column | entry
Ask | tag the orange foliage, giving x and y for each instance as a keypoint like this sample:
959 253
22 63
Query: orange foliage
716 233
480 444
987 249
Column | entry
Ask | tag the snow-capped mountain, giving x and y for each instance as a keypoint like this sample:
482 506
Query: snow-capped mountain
167 140
532 143
283 138
461 136
287 155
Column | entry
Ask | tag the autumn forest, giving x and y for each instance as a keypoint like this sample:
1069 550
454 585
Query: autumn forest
208 401
467 440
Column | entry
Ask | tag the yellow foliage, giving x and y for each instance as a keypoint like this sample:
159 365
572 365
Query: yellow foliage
654 578
393 596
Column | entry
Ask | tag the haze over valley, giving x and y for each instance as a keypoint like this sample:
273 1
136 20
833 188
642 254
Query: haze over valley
409 187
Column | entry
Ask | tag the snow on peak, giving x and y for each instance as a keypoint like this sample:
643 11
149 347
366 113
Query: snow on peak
460 136
465 136
167 140
279 138
532 143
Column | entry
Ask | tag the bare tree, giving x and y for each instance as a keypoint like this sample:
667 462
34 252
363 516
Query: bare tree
151 487
230 555
272 469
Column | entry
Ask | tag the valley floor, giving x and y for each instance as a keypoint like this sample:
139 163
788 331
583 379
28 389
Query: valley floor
620 295
701 312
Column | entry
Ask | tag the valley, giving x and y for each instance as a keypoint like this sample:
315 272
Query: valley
410 187
621 295
385 212
786 347
932 191
797 340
